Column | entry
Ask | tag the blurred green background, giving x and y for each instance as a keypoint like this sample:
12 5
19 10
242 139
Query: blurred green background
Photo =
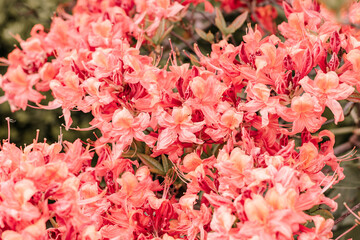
18 17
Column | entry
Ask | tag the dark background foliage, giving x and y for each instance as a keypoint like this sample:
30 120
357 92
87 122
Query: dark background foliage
18 17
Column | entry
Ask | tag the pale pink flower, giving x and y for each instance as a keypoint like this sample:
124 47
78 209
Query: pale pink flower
305 112
178 125
327 89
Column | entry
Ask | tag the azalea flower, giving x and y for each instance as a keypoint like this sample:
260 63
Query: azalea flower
305 112
124 128
327 89
178 125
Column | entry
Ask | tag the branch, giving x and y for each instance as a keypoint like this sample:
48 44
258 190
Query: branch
356 207
183 39
342 148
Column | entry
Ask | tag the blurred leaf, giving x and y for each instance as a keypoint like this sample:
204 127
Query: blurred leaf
129 154
139 146
237 23
355 97
336 5
206 36
165 163
167 31
152 163
324 213
220 21
159 32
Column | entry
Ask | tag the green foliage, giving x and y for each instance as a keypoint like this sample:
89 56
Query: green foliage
19 16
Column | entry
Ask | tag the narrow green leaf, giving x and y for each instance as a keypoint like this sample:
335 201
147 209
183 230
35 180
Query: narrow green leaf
201 33
140 146
165 163
206 36
355 97
216 149
220 21
210 37
159 32
152 163
324 213
128 154
237 23
166 33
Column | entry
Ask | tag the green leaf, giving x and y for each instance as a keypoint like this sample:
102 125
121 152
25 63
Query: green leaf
128 154
166 33
165 163
220 21
201 33
159 33
216 149
152 163
139 146
355 97
237 23
324 213
206 36
336 5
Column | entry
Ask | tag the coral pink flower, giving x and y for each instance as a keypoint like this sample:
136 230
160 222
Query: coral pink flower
179 124
261 100
124 128
327 89
322 229
18 87
305 112
230 120
207 91
221 223
191 162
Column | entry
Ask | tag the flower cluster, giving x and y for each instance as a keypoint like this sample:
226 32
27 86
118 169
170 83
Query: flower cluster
187 151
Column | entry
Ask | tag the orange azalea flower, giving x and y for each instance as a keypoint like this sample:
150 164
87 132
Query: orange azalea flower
179 124
305 112
327 89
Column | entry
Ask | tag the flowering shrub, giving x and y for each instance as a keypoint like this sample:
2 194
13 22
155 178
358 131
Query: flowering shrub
207 150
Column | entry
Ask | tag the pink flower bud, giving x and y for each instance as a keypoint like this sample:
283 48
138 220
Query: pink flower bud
288 63
335 42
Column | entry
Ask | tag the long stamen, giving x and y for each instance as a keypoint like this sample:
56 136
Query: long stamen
9 120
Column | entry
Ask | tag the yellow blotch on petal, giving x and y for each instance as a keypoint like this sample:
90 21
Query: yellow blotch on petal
102 28
47 72
257 209
326 81
261 91
18 76
11 235
302 104
232 119
182 114
308 152
198 87
128 183
240 160
122 118
354 57
281 200
24 190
